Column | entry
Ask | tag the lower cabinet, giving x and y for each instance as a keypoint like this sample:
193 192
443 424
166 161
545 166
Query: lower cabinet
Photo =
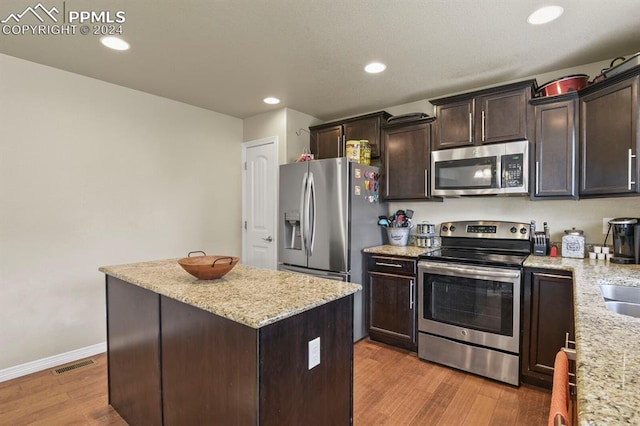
547 317
391 307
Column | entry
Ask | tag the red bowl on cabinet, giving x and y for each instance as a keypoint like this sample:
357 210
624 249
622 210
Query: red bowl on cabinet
570 83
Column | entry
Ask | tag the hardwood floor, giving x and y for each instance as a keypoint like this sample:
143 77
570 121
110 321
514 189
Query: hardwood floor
391 387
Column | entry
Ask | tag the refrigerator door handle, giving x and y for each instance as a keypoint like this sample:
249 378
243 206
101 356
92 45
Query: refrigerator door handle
303 212
312 213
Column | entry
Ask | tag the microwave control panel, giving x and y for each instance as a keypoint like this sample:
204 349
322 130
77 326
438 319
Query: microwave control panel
512 170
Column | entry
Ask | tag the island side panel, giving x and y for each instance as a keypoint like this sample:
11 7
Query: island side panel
133 348
209 368
290 393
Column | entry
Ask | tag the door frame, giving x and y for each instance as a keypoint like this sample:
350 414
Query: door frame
273 141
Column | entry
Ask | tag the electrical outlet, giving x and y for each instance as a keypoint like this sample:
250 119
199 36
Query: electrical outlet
314 352
605 224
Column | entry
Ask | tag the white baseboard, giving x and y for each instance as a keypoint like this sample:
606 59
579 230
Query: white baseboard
52 361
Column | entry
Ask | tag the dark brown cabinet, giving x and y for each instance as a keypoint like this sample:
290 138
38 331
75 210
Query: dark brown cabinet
609 138
327 142
391 308
328 139
547 317
407 159
555 147
499 114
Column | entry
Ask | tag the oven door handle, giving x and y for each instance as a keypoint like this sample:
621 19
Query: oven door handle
469 271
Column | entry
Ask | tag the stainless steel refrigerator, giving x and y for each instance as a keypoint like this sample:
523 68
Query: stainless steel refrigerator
328 213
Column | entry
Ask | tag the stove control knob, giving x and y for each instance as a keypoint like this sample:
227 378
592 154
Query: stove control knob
452 228
514 230
445 229
523 231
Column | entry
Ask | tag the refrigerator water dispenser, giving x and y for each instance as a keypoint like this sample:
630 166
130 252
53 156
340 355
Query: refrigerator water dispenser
292 235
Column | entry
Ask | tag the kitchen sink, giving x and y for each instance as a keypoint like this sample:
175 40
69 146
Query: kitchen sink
624 308
620 293
622 300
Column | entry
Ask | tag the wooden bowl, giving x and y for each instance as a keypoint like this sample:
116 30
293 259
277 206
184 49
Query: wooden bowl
208 267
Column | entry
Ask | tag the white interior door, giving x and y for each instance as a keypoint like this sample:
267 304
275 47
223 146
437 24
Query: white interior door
260 203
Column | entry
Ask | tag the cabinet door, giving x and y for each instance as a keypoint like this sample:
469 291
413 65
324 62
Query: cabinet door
501 117
608 140
368 129
406 162
392 309
327 143
454 126
555 149
547 317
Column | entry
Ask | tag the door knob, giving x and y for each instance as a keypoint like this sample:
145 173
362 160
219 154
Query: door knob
268 239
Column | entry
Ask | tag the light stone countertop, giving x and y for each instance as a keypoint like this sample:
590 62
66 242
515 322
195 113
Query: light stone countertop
390 250
250 296
607 343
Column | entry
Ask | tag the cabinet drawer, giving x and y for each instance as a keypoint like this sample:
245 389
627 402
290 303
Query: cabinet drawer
392 265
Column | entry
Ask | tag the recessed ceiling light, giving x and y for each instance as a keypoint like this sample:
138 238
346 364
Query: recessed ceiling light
271 100
115 43
545 14
375 67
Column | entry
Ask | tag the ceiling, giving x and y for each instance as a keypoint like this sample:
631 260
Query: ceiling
227 55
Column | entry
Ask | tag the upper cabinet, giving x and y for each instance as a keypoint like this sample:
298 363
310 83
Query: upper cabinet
499 114
407 160
609 137
328 140
555 146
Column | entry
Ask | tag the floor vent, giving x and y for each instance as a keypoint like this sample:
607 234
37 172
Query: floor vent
74 366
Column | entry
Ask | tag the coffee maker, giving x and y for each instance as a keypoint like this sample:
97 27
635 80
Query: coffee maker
626 240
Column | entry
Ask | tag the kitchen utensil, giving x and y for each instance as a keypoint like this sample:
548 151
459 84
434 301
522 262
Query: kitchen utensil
563 85
539 244
207 267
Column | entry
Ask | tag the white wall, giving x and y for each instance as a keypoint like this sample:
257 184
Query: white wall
95 174
285 123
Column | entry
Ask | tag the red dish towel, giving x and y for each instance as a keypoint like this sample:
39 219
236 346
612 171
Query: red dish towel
560 393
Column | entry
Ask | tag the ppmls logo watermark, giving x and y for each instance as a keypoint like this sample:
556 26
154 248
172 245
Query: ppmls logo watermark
42 20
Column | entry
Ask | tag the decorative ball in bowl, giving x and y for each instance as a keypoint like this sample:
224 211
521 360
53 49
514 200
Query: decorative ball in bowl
207 267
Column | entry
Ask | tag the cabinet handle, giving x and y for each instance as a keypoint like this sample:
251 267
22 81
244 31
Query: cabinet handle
537 177
470 127
426 183
411 299
483 126
630 182
393 265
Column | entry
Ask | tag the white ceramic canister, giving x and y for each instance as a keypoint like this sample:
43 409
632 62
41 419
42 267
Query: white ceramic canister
573 243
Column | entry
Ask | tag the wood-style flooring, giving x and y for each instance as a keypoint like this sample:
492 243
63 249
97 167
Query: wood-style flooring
391 387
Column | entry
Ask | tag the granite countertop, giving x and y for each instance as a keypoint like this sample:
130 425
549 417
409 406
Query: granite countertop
607 343
250 296
390 250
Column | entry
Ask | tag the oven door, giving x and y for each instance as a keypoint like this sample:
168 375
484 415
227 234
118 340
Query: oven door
469 303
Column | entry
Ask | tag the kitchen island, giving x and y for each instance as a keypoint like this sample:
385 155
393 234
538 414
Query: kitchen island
236 350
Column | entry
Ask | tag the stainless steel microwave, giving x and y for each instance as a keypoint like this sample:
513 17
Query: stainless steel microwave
501 168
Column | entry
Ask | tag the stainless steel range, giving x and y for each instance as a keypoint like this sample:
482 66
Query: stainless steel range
469 298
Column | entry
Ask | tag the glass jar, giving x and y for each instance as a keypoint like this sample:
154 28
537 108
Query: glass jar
365 152
573 243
